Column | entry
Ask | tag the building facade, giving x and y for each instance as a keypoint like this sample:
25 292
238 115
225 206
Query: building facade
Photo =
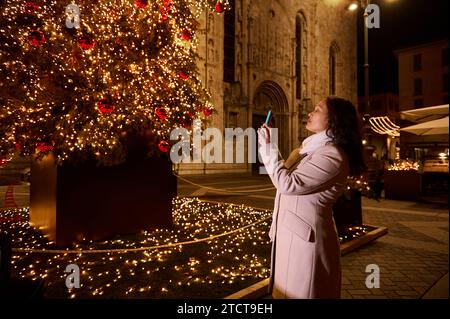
283 55
423 82
423 75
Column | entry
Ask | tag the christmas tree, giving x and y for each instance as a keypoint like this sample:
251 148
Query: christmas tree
77 78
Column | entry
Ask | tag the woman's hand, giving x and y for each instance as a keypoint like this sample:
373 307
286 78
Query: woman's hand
268 151
264 134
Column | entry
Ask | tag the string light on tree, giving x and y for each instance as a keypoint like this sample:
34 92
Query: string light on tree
63 64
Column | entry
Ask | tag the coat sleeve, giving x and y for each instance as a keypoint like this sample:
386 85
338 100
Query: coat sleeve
269 157
313 175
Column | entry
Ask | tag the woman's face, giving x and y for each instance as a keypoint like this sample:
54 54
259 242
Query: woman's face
318 119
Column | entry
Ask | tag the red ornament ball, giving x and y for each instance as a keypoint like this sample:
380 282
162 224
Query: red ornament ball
45 147
220 7
36 38
208 111
161 112
31 7
183 75
167 6
186 35
86 43
168 3
164 146
104 106
141 3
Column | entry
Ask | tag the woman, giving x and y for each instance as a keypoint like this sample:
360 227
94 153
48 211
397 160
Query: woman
305 246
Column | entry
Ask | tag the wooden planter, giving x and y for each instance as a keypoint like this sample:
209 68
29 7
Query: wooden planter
402 185
347 211
69 203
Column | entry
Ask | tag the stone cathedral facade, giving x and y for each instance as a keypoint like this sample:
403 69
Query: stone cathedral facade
286 55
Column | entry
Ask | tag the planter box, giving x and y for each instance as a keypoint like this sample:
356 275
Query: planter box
69 203
347 211
402 185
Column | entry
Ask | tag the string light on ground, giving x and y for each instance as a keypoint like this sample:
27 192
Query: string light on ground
178 271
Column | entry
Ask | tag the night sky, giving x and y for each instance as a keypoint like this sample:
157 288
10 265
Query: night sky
403 23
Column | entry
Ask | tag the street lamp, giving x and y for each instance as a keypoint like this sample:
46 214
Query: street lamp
352 7
366 6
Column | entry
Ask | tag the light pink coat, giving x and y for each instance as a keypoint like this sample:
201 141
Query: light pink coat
305 249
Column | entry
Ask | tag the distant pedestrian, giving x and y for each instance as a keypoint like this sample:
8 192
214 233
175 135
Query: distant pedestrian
378 184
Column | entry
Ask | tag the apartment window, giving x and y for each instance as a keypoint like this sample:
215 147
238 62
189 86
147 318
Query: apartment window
418 87
418 103
417 62
229 44
445 57
445 82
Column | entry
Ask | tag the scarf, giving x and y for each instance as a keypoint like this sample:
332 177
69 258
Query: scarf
313 142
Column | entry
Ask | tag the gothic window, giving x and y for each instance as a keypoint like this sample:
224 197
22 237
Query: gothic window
333 68
298 55
229 44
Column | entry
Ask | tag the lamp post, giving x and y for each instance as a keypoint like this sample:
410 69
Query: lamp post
353 6
368 147
365 4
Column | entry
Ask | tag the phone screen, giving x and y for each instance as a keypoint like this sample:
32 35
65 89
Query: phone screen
269 115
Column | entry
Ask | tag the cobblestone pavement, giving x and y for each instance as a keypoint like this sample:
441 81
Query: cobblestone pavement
411 258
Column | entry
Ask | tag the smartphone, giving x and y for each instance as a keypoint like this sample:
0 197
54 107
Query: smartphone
269 116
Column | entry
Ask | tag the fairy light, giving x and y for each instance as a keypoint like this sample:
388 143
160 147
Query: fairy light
84 88
383 125
404 165
354 232
170 272
358 183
